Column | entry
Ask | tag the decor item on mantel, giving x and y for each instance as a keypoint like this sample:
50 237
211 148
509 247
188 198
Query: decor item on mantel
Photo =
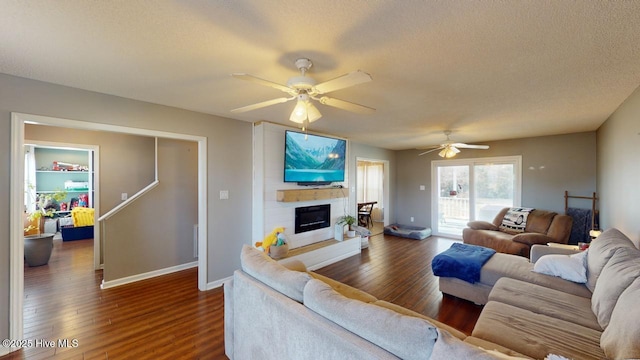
348 220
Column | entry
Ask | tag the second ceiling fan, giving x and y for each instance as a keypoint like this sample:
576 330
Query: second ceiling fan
304 89
449 149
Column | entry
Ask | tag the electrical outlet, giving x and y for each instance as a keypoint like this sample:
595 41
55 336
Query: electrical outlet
412 219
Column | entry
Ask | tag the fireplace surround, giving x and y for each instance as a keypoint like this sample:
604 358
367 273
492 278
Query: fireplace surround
313 217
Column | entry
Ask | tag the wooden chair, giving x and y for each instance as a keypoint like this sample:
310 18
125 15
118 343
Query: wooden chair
364 214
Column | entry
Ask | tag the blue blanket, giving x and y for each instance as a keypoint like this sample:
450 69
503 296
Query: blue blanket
462 261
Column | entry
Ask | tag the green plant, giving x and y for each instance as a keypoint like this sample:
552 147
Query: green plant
45 205
347 220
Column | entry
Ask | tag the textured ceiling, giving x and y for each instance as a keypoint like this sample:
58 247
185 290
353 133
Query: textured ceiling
488 70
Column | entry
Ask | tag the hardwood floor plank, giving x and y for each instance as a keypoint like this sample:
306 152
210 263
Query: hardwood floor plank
169 318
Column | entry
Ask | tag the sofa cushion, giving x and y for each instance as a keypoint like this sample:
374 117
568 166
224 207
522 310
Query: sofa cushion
536 335
621 339
621 270
568 267
500 241
539 221
560 229
404 311
482 225
545 301
344 289
601 250
270 272
489 346
516 267
407 337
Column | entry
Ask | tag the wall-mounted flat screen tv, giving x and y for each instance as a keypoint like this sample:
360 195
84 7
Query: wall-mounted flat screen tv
313 159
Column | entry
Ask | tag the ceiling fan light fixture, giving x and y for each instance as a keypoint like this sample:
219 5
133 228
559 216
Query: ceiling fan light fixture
313 113
304 110
299 113
448 152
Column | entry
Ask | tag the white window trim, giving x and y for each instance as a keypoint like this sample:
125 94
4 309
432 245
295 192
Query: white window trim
517 193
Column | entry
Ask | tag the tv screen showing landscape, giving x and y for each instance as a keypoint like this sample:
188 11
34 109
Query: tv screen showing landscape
313 159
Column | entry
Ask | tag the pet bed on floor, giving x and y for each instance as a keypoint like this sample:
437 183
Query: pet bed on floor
408 231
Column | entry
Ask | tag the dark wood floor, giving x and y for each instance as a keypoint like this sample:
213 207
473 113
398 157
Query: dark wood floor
167 317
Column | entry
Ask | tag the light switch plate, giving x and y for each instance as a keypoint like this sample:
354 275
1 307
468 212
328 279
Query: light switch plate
224 194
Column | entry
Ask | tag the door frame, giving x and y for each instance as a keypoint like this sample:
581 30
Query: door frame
517 193
16 200
385 195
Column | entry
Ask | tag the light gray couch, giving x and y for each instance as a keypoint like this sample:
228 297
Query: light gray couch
536 314
275 312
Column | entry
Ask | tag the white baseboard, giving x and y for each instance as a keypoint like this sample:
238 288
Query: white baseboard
4 351
218 283
147 275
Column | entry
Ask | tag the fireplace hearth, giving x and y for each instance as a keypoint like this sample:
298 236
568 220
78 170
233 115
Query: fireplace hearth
314 217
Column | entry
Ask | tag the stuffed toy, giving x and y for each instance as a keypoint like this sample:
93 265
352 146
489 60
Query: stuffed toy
270 239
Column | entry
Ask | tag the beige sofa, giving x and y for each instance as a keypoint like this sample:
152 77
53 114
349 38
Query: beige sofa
545 314
278 312
274 312
542 227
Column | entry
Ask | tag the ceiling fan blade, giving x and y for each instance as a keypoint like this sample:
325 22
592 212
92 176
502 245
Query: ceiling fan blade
350 79
432 150
257 80
469 146
346 105
262 104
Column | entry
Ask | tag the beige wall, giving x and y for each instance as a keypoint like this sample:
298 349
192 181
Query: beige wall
157 229
126 161
568 160
619 168
228 161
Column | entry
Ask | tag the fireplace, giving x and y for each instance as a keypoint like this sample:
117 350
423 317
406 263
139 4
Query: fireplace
312 218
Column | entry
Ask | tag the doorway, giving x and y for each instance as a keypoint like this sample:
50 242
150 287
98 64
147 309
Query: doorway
472 189
16 280
372 193
45 174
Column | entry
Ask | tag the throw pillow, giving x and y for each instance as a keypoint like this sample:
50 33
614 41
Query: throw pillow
515 220
568 267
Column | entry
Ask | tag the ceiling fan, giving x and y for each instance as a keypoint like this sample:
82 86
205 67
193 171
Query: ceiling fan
450 149
304 89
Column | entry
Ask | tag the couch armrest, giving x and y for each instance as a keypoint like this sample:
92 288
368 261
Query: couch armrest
539 250
482 225
228 318
532 238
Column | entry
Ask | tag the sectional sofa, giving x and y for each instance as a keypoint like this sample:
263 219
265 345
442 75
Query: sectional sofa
278 312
